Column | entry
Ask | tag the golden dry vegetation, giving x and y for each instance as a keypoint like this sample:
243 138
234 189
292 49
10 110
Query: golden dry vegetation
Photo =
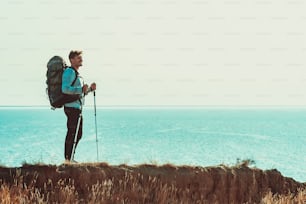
147 183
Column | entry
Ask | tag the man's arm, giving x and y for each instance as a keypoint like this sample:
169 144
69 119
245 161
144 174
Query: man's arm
67 79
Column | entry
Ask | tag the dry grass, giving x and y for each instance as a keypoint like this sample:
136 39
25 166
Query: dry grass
124 186
298 198
129 192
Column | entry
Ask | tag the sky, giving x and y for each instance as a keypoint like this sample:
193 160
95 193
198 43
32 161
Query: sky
158 53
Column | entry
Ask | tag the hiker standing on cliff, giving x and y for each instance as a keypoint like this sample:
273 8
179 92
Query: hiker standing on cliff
72 85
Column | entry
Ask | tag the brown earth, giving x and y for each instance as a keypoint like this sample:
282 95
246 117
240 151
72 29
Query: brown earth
147 183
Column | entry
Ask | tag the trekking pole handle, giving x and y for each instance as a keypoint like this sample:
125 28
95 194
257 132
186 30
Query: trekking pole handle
88 91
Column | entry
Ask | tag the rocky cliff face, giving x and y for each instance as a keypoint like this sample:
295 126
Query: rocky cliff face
101 183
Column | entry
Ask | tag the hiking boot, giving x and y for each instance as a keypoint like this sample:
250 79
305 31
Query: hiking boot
67 161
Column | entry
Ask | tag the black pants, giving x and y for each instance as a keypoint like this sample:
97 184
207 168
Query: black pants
72 122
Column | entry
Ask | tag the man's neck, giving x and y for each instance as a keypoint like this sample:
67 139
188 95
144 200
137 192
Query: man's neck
75 67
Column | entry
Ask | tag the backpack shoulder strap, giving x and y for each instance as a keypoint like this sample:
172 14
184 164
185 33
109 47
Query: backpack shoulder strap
76 75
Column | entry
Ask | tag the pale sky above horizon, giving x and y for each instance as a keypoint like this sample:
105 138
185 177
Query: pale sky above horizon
159 52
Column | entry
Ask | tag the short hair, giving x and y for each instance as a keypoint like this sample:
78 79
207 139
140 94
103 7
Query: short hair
74 53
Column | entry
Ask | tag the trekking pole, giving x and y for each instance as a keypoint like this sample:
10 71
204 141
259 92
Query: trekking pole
94 93
76 133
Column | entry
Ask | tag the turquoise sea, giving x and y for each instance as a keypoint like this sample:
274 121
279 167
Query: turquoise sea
272 137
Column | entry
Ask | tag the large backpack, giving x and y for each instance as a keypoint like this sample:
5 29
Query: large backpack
55 68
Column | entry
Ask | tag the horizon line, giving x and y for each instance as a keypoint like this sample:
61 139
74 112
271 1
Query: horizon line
160 106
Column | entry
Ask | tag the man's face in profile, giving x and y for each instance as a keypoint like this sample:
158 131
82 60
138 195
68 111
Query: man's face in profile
77 60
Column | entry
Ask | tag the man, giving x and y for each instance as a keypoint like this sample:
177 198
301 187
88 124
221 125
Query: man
73 109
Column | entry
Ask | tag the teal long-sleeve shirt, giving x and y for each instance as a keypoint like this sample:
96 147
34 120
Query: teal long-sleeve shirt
76 88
